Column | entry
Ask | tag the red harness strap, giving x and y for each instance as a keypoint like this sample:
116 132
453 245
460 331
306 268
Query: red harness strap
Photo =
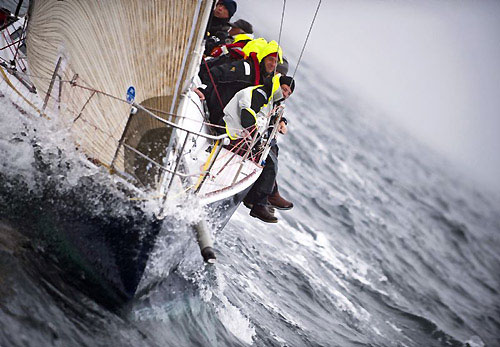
217 51
253 57
213 83
237 53
4 14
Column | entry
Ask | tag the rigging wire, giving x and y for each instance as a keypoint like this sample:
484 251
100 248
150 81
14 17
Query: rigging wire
282 19
23 37
74 84
307 38
279 46
281 30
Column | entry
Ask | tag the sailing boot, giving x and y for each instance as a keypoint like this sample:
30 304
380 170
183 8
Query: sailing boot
248 203
277 201
262 212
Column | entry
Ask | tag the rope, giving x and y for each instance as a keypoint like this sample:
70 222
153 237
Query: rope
184 117
41 78
20 43
11 44
236 148
6 78
282 19
281 30
93 90
213 83
7 40
279 44
5 60
307 38
74 84
14 53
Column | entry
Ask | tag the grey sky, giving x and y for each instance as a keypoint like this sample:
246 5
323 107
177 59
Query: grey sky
433 66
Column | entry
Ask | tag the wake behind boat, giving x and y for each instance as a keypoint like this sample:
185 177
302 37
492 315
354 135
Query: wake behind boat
119 77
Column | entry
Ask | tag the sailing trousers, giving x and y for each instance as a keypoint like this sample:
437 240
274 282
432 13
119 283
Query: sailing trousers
266 183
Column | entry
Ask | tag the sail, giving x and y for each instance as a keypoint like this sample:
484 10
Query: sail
105 49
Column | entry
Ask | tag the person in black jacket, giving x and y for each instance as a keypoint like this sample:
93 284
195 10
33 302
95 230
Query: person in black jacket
219 25
224 54
240 26
230 78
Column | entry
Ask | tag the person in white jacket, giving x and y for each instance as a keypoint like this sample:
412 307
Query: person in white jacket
248 111
250 107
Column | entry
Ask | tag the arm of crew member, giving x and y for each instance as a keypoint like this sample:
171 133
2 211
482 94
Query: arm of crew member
199 93
248 115
216 72
282 129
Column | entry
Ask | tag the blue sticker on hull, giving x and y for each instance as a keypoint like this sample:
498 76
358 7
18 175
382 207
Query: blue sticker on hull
131 94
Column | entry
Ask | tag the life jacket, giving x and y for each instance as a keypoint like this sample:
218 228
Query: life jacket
234 50
250 65
242 100
255 62
255 46
243 37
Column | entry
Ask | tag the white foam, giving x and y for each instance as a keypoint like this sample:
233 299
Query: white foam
235 321
393 326
377 331
15 150
230 315
475 341
323 250
279 339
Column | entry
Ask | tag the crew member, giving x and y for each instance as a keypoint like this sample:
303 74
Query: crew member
239 34
228 79
249 111
218 25
230 51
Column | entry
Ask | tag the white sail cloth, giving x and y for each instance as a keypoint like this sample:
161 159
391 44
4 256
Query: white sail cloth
110 46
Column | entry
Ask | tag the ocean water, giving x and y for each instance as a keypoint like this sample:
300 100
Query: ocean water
386 245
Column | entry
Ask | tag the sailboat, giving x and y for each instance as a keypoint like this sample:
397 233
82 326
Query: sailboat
119 76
